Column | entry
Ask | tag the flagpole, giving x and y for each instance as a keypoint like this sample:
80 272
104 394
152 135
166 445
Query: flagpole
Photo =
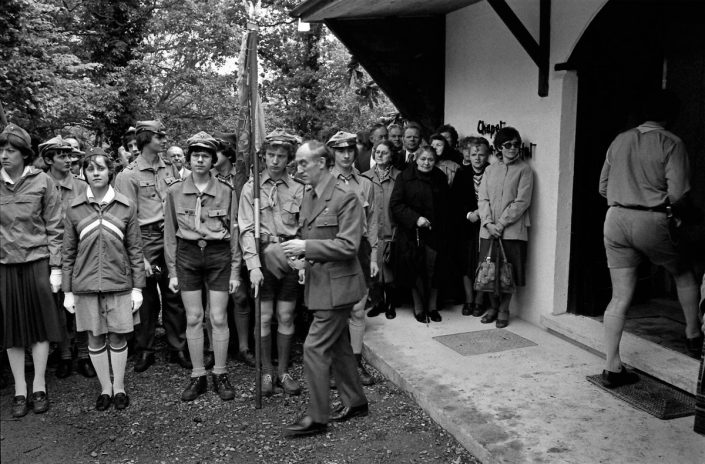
252 57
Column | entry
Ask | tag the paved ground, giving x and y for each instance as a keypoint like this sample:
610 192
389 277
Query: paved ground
523 405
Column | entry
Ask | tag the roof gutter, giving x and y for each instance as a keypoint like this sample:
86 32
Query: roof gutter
308 7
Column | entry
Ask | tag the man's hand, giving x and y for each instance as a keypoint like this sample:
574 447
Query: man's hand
136 298
294 248
70 302
422 222
256 279
302 276
174 284
374 269
147 267
233 286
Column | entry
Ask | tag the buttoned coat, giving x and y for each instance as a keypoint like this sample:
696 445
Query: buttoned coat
331 225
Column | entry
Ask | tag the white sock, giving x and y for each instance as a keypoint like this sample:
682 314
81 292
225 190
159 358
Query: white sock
101 364
118 358
221 337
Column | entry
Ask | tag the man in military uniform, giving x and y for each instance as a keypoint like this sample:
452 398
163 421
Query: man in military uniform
145 182
344 154
56 153
331 230
280 200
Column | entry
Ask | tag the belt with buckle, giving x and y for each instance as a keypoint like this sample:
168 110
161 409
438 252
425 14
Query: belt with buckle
266 239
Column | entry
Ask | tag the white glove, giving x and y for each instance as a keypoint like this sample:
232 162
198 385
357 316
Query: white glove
55 279
70 302
136 299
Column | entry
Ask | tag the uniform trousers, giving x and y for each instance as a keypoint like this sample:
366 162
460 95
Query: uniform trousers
328 345
173 312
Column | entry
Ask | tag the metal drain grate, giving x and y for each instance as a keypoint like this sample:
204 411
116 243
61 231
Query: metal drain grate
653 396
483 341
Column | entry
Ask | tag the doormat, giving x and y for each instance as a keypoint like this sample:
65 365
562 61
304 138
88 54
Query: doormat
653 396
483 341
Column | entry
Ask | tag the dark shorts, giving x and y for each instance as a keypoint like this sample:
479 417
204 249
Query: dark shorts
630 235
284 289
196 267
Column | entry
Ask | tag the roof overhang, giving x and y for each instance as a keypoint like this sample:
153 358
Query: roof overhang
314 11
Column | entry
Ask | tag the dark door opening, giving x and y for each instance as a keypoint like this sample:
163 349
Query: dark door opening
632 47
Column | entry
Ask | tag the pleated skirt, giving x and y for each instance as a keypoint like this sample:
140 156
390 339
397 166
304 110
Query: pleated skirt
29 311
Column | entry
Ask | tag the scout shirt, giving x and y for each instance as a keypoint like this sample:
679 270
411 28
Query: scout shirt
145 185
216 220
30 218
69 188
280 202
362 186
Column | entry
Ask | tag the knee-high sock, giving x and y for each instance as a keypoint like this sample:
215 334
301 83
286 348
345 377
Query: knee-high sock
101 363
283 349
194 339
40 355
118 358
221 337
16 358
613 328
266 353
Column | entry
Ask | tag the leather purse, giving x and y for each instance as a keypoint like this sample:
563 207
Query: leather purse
494 274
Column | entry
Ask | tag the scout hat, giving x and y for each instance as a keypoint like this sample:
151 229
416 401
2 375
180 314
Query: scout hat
203 140
342 139
153 126
280 137
56 143
131 131
17 136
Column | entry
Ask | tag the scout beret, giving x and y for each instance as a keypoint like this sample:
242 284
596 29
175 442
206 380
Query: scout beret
97 151
342 139
55 143
204 140
20 136
154 126
280 137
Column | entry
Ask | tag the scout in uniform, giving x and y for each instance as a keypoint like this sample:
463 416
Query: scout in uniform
57 154
30 265
103 274
201 247
345 152
280 200
145 182
331 221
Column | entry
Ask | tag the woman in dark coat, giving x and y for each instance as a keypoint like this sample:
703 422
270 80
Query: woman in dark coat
419 205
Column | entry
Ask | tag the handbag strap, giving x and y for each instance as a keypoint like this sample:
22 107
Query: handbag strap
501 249
488 258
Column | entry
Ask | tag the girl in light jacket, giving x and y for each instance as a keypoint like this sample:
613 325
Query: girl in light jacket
103 274
503 201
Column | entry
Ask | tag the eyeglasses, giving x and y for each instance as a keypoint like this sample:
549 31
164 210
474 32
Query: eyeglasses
510 145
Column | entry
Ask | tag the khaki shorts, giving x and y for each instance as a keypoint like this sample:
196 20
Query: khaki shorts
101 313
631 235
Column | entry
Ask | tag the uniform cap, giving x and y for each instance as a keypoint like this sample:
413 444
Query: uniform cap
154 126
342 139
55 143
204 140
280 137
20 136
97 151
130 131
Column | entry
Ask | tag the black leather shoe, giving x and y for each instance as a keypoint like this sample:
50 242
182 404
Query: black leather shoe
477 310
103 402
422 317
19 406
208 360
365 377
221 385
376 310
617 379
435 316
305 427
246 357
65 368
344 413
391 313
121 401
144 360
85 368
693 345
196 387
40 402
467 309
179 357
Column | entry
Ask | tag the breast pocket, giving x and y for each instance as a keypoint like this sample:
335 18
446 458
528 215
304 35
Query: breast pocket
290 213
148 189
186 218
218 220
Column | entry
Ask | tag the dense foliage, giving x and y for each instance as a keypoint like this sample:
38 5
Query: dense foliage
92 67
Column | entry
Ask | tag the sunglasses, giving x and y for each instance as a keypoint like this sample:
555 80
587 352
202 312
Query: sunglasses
510 145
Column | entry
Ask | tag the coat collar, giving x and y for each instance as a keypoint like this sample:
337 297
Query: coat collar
142 164
191 189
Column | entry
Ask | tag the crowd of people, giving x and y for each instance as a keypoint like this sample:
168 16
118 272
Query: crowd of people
360 223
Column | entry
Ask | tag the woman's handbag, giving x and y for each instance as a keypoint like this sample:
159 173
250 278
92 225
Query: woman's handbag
487 276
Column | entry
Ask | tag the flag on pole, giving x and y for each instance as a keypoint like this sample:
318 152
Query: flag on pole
249 131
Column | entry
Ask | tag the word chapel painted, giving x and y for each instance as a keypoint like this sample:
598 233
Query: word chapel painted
489 129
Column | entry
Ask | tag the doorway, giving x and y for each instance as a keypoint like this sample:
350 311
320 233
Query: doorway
632 47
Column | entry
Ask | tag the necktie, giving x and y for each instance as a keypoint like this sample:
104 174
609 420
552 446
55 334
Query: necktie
197 214
409 157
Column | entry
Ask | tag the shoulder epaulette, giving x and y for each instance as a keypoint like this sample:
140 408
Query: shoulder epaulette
300 181
131 165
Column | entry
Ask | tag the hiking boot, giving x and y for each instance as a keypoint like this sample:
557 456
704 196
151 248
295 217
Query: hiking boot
196 387
222 386
289 385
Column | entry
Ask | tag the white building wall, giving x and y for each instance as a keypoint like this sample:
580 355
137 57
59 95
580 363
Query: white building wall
490 77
